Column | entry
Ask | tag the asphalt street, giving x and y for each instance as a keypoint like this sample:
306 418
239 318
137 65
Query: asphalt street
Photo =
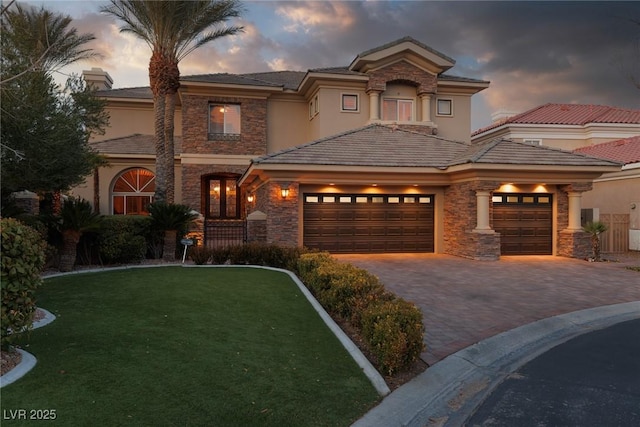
591 380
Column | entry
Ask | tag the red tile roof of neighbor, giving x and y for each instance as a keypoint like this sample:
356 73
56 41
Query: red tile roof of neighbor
622 150
569 114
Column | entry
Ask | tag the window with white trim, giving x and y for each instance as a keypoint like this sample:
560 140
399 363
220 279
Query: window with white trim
350 102
314 107
444 107
224 119
400 110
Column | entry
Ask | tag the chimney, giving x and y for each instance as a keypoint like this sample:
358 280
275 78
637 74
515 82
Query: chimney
97 78
501 115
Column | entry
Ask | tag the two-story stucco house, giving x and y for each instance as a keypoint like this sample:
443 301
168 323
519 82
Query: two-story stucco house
374 156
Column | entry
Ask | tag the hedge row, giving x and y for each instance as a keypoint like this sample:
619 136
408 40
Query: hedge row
392 327
248 254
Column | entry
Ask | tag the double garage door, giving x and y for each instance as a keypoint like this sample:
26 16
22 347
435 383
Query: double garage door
369 223
525 223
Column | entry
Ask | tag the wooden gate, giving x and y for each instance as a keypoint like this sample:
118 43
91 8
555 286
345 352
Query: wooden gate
616 238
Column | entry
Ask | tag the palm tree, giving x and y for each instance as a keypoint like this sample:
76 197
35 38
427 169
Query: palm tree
170 218
172 29
76 217
595 229
39 40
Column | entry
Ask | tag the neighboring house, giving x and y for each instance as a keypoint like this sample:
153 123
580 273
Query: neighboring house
615 198
371 157
564 126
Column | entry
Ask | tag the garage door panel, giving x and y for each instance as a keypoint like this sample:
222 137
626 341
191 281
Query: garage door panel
369 224
525 223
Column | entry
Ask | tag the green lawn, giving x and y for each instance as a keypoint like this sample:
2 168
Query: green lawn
187 347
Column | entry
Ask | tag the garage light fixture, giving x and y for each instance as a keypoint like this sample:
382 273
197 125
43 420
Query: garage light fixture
284 192
250 198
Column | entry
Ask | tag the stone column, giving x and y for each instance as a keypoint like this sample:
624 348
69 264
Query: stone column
374 105
426 107
482 212
575 199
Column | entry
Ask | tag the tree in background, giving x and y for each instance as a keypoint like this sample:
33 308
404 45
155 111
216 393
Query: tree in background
595 229
44 130
170 218
172 29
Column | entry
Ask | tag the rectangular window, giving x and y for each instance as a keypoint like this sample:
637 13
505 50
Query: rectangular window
444 107
224 119
400 110
349 102
532 141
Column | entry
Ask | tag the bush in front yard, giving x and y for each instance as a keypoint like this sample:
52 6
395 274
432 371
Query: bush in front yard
23 256
200 255
391 327
122 238
394 331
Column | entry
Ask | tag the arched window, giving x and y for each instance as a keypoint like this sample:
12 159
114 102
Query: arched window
132 191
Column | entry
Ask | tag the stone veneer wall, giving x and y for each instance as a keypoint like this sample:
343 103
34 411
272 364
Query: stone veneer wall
460 215
406 72
195 122
282 214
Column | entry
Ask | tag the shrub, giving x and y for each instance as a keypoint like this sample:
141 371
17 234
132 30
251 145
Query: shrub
391 327
200 255
220 255
264 254
23 257
394 332
123 238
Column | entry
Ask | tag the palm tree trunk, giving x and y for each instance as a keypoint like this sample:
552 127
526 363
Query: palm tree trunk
70 239
161 175
169 150
595 246
169 248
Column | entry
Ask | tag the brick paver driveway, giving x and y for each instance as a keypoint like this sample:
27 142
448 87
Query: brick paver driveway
466 301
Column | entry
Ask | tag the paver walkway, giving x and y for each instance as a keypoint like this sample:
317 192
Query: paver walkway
466 301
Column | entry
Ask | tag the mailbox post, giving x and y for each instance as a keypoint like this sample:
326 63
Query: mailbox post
186 243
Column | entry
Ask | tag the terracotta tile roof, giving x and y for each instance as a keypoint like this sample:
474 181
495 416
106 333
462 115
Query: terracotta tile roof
569 114
384 146
135 144
622 150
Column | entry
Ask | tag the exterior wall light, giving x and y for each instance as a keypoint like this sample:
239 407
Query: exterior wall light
284 192
250 198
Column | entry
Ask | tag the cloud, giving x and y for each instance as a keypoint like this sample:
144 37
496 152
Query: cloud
532 52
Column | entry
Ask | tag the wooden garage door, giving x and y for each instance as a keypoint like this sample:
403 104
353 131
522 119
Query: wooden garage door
364 223
524 222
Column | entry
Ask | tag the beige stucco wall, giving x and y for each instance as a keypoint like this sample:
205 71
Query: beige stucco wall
458 126
108 176
614 193
288 122
125 120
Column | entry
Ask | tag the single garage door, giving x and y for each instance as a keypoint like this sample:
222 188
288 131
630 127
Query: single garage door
365 223
524 222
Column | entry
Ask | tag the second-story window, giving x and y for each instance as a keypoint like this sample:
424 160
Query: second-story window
224 119
400 110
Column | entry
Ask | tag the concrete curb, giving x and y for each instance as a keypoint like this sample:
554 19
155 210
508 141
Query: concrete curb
447 393
28 360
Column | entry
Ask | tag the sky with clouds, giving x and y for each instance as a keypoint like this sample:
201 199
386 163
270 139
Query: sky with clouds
531 52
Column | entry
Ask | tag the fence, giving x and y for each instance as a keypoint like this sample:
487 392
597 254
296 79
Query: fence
616 238
218 234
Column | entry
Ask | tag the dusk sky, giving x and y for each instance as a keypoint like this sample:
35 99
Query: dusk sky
531 52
